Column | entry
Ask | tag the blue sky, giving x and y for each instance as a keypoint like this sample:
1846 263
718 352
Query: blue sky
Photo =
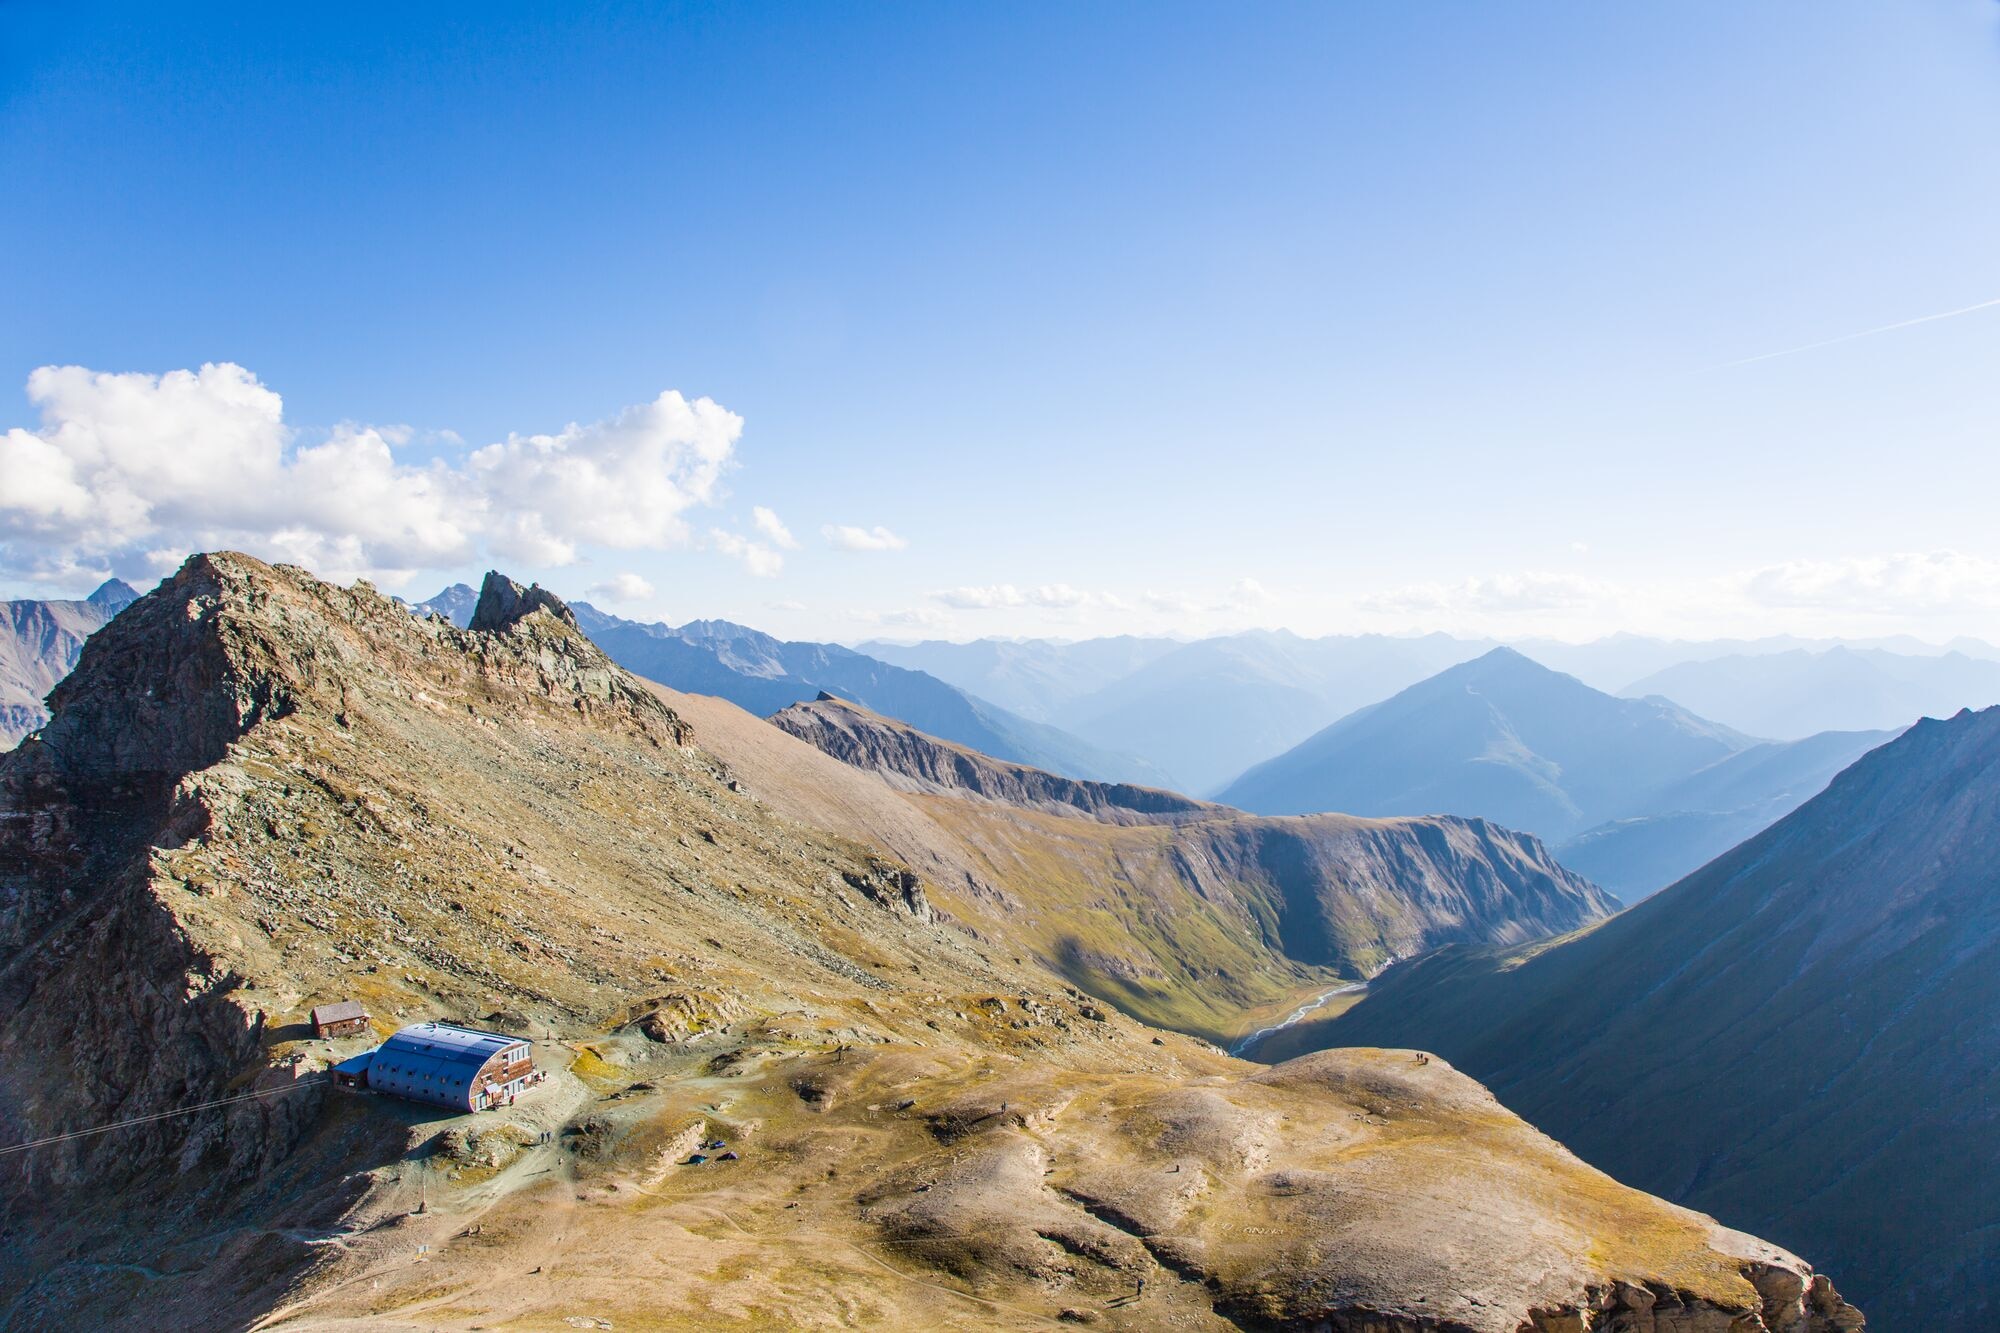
1152 318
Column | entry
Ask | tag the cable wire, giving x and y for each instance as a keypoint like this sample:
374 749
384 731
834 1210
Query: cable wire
310 1081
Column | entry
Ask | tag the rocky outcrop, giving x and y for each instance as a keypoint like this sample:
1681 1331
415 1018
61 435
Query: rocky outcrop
503 603
893 886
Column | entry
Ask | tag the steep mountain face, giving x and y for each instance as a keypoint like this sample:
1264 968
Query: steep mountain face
259 792
1036 678
39 643
763 674
1826 994
1210 709
1706 813
1191 914
1500 736
1797 693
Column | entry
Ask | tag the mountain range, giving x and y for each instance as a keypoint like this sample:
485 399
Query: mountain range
1793 694
39 643
259 792
1828 992
1243 698
1235 699
763 674
1699 817
1631 792
1502 735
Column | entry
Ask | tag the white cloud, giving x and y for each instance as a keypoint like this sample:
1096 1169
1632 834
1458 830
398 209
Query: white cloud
1248 593
917 617
1908 582
121 456
1245 594
787 604
1531 591
1173 603
1060 595
1003 596
622 483
767 522
993 597
129 469
847 537
758 558
626 587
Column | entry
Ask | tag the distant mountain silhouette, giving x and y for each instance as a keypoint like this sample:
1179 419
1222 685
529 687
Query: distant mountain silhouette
763 674
1500 737
1207 710
1238 699
1798 693
39 643
1036 678
455 604
1691 822
1828 992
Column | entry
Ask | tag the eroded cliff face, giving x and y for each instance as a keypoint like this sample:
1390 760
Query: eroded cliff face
261 792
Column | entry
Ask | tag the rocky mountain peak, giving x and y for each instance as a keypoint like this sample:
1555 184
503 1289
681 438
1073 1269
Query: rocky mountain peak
504 603
113 596
228 641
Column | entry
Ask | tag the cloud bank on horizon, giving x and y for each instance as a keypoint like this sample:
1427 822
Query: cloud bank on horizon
130 472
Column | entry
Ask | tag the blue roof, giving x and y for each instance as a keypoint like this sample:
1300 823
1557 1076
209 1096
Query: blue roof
436 1062
448 1045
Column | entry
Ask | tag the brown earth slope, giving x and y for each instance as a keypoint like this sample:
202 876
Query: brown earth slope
260 792
1193 914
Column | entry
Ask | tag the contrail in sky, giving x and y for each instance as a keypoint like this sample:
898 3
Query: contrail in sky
1865 333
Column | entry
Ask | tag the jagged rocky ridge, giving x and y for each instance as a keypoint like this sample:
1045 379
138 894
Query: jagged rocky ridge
909 759
259 792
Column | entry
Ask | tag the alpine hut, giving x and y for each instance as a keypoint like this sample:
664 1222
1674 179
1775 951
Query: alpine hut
462 1068
339 1020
